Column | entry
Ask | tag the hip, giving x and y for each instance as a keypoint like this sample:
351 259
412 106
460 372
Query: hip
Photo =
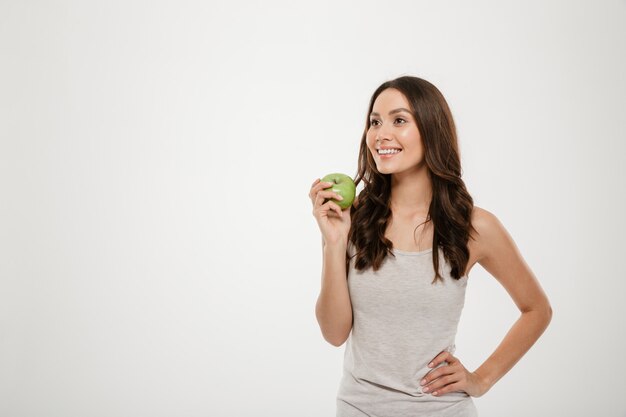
359 397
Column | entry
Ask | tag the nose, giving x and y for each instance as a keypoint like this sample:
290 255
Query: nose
382 134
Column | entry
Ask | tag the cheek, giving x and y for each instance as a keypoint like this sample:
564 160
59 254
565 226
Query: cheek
370 142
410 135
413 144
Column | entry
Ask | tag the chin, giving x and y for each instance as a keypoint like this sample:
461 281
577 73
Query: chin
385 170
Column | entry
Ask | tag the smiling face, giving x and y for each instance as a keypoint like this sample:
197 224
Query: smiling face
393 126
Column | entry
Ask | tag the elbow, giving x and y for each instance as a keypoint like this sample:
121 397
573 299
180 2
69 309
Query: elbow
336 338
543 309
333 332
541 313
547 309
548 316
336 341
540 316
549 313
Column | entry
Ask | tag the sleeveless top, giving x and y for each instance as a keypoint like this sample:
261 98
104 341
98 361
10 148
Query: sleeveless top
401 322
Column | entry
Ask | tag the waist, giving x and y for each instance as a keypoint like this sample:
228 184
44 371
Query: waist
395 365
365 393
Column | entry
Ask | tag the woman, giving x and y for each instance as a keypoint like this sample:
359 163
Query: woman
396 265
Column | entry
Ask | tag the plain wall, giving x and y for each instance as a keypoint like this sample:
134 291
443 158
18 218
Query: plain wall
158 253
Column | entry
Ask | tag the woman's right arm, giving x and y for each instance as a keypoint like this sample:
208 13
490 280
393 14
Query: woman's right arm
333 309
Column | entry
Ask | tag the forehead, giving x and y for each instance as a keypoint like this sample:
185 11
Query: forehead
390 98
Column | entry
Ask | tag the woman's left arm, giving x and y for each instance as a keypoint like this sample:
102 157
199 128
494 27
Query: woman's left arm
499 255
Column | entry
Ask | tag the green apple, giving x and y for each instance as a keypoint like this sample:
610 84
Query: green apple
344 186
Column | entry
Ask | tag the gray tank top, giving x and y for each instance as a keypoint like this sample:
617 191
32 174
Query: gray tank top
401 322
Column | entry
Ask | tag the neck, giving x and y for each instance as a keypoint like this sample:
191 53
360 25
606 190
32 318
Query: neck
411 193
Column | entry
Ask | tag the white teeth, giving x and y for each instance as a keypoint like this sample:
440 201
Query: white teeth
387 151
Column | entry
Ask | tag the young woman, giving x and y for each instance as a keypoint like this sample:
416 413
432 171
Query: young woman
396 266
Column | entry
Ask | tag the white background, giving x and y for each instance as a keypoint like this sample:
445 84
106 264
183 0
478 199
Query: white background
158 254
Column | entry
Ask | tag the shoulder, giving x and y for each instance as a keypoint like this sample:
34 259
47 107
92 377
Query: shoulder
482 219
489 231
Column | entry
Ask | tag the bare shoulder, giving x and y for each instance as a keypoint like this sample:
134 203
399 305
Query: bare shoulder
484 221
481 215
486 225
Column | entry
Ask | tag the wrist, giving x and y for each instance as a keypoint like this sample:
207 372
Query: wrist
484 382
339 245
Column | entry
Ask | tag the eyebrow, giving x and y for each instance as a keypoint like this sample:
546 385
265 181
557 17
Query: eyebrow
401 109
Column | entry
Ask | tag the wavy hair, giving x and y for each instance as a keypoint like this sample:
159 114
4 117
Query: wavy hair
451 206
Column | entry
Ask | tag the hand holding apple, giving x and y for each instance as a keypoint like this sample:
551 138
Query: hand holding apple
344 186
327 198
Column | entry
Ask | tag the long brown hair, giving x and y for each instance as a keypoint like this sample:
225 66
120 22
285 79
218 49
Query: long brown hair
451 207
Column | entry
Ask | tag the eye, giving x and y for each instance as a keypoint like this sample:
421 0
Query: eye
374 122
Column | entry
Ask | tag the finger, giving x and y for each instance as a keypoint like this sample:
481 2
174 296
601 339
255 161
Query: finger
323 206
322 196
316 183
319 200
311 193
443 356
437 373
319 185
455 386
316 188
334 207
323 185
331 194
438 384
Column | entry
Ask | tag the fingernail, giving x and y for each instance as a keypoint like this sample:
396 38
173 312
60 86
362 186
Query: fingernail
339 197
430 365
423 381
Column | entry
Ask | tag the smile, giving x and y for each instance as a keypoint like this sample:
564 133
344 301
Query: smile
389 153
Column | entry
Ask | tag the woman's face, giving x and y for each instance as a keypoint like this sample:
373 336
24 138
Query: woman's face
392 126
